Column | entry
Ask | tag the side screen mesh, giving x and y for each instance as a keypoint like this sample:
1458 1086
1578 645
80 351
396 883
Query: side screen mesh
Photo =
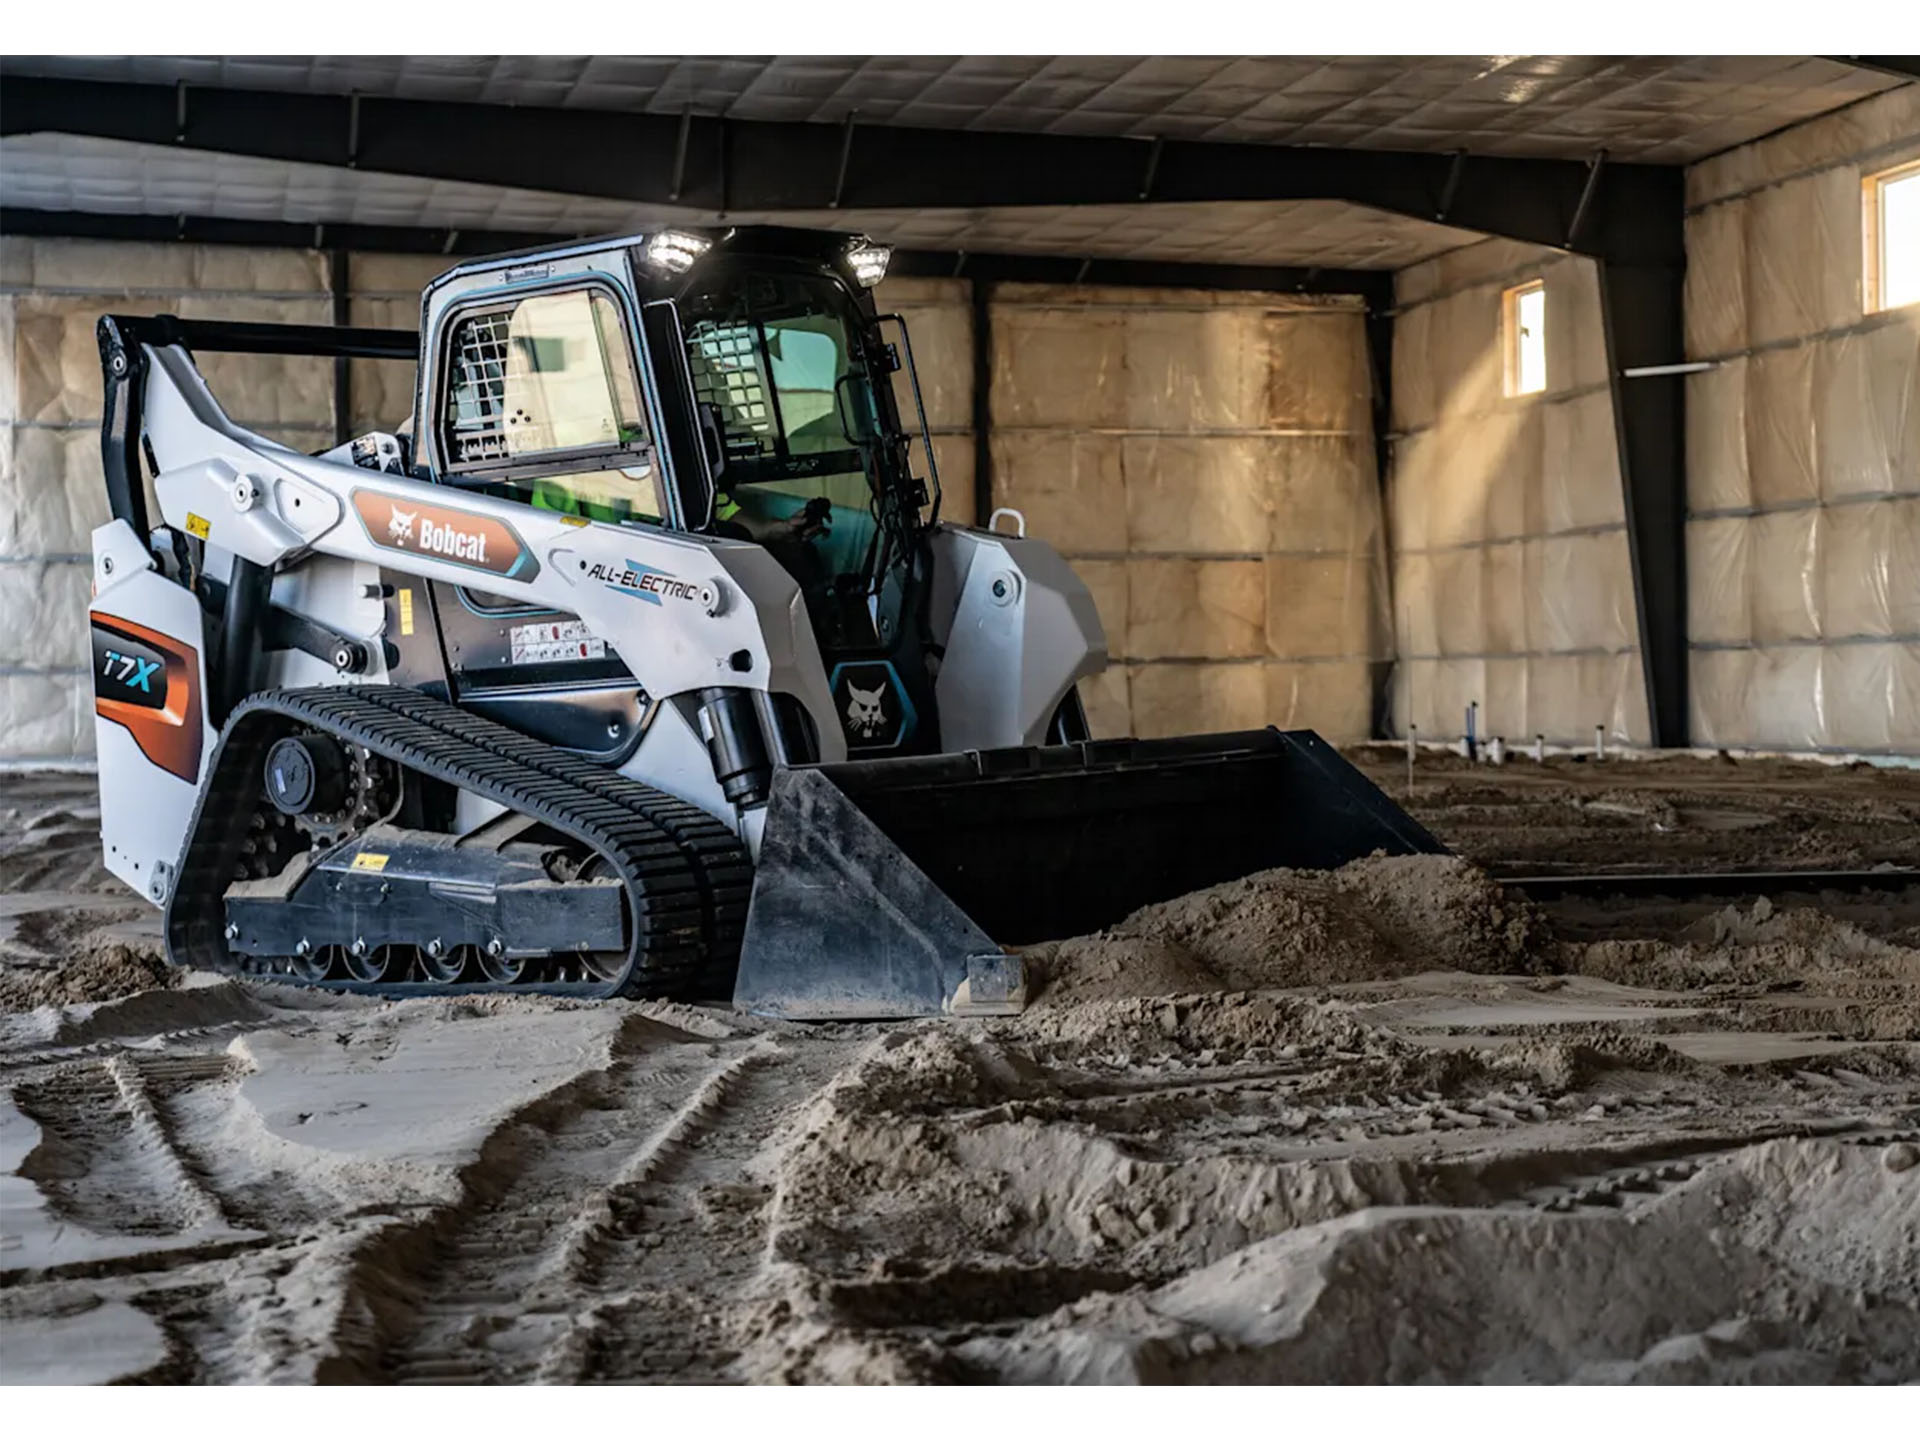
476 404
726 373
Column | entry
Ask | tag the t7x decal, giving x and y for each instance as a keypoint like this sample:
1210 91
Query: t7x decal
150 684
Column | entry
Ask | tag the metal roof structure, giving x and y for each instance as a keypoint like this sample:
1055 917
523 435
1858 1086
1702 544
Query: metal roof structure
1658 109
1228 160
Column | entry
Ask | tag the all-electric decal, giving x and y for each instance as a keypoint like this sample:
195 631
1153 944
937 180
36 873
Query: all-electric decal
645 582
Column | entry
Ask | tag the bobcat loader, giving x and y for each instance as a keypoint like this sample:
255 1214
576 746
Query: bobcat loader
642 666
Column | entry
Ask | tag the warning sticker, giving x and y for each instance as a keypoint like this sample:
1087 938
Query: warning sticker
198 525
555 640
368 860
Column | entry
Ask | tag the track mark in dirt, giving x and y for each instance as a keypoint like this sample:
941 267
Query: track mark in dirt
108 1156
689 1236
565 1211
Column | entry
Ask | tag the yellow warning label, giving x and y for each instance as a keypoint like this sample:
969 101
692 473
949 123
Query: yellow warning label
577 521
406 611
368 860
197 525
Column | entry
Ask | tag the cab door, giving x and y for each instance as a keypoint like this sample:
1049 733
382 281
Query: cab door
544 397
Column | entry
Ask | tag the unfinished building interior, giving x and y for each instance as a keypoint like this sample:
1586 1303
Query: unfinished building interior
1543 432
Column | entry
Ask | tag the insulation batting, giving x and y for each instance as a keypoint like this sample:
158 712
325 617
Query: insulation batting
1206 464
1512 584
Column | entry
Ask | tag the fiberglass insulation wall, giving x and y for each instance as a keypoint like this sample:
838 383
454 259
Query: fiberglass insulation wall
1803 447
1205 461
51 491
1512 584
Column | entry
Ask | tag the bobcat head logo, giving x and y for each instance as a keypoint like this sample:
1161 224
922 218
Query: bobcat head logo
400 525
865 716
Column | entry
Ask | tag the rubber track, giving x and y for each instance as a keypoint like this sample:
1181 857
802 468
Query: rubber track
687 876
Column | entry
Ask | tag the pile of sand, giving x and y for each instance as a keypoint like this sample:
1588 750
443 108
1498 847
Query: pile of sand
1721 1281
99 972
1082 1194
1758 944
1373 919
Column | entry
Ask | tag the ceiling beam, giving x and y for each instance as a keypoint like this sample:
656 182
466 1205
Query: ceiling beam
291 234
732 166
1901 67
1376 286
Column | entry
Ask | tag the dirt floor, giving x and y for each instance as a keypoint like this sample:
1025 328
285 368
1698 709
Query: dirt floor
1389 1124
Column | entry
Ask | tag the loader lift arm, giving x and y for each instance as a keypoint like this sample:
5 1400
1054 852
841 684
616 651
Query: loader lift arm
123 363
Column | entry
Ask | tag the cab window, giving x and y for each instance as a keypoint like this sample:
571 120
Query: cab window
543 406
775 356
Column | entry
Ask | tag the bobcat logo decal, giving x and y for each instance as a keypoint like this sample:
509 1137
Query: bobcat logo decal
445 532
865 713
876 712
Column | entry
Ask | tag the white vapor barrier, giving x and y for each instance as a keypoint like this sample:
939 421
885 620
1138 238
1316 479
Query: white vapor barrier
1803 448
1828 419
1855 697
1871 127
1204 460
1512 582
1822 595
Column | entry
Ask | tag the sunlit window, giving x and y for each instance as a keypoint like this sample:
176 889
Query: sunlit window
1892 232
1524 318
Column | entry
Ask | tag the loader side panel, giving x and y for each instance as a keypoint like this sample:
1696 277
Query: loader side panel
151 727
1019 629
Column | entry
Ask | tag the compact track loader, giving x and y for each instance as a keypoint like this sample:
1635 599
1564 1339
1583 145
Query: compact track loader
642 665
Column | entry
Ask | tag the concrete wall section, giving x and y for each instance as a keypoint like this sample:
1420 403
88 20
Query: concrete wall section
1205 461
1803 447
1512 584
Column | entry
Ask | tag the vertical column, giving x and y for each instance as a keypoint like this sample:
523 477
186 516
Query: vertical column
339 286
981 296
1379 324
1642 308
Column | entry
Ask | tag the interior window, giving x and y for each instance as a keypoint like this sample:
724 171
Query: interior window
543 406
807 366
1892 232
1524 318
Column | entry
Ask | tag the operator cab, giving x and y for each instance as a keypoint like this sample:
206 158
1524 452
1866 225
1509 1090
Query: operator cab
737 386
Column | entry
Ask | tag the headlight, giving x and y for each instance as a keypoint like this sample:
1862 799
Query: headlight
675 250
868 261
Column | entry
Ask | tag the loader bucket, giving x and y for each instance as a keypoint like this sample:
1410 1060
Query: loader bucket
895 887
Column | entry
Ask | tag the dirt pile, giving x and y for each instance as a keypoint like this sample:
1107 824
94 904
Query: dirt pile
1373 919
1250 1188
109 971
1759 944
1722 1281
